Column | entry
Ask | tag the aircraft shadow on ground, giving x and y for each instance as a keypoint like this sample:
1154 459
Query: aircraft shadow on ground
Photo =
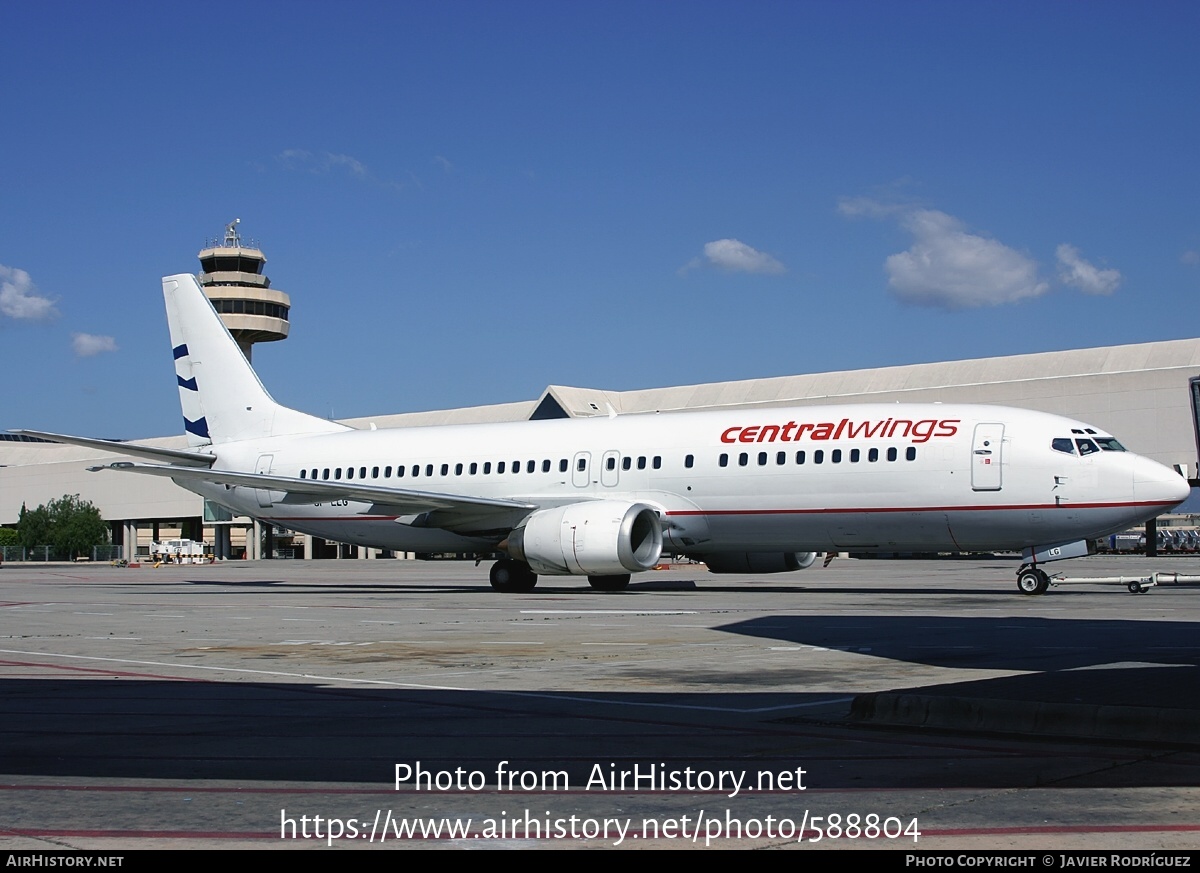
1008 643
133 726
578 586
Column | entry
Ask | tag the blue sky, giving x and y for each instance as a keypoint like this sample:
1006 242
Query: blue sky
468 201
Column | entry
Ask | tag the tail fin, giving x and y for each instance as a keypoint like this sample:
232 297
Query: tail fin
221 395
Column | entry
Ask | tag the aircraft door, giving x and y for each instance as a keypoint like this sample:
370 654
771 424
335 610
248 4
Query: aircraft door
263 467
609 472
986 457
579 469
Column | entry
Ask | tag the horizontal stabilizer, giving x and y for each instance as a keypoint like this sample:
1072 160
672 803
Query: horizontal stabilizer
150 453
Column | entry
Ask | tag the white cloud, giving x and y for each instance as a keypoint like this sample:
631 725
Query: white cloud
19 297
1073 270
951 268
735 256
355 166
88 344
1191 258
858 207
304 161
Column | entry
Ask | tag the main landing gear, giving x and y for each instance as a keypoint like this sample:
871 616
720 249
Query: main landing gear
1031 580
509 575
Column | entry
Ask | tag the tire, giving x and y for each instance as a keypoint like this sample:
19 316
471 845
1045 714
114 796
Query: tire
609 583
509 576
1032 582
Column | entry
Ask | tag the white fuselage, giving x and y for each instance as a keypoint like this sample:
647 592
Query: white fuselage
888 478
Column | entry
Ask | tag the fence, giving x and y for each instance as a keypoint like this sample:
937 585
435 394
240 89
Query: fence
46 554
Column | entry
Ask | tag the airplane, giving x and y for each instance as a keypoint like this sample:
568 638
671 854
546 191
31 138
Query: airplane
760 490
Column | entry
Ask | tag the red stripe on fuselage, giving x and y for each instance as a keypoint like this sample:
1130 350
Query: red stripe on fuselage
998 508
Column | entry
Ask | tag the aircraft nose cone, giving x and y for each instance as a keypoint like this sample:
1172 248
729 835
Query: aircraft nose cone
1152 482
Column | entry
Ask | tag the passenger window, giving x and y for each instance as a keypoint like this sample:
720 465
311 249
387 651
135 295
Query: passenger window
610 463
656 462
642 462
800 457
562 465
362 472
911 453
445 469
374 472
387 472
500 467
487 467
762 459
581 464
1062 444
325 473
723 461
626 462
689 461
781 458
546 466
458 468
835 457
854 456
743 459
474 468
892 454
337 473
530 466
873 455
304 474
429 469
349 472
819 456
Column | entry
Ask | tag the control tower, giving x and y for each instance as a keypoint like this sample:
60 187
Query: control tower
234 281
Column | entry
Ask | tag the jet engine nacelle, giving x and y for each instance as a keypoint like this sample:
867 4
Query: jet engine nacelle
759 562
596 538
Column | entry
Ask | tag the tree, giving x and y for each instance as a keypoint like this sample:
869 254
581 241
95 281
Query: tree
71 525
9 537
33 527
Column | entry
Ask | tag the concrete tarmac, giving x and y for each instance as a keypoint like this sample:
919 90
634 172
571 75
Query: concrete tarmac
900 705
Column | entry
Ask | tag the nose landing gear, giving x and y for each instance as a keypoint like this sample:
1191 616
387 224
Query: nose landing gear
1031 580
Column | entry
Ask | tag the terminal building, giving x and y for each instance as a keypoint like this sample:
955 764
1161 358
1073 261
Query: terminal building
1145 394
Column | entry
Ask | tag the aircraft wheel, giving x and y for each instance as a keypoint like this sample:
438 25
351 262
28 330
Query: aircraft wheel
1032 581
609 583
509 575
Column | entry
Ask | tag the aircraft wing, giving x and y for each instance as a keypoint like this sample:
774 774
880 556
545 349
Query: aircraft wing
450 511
133 450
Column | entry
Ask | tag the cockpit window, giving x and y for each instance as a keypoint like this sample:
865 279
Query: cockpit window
1109 444
1086 447
1063 445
